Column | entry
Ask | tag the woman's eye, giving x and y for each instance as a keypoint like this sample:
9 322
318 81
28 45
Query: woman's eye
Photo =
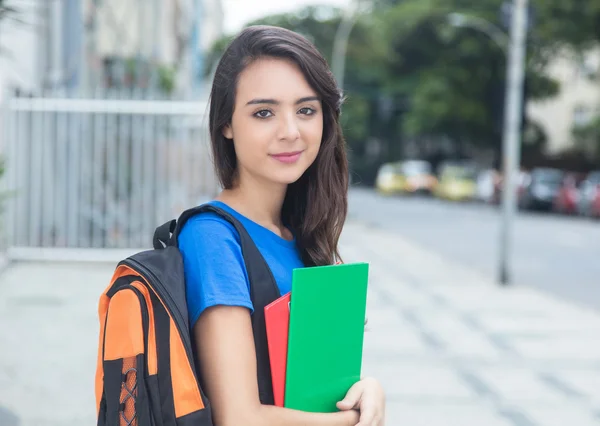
307 111
263 113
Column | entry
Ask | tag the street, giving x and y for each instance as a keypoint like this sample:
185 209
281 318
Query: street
556 254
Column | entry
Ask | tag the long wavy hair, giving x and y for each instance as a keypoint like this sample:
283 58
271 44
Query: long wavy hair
316 205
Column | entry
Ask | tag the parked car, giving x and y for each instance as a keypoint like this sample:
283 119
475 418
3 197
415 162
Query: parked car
411 176
457 182
567 197
521 183
541 188
487 181
388 180
589 196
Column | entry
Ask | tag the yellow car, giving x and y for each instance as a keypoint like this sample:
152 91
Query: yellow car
405 177
457 183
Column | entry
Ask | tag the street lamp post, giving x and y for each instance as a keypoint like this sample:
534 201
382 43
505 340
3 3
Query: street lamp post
514 47
511 143
340 43
480 24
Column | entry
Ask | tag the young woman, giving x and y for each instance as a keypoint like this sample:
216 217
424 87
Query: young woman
280 157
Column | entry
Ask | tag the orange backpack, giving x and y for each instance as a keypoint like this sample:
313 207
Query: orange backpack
146 372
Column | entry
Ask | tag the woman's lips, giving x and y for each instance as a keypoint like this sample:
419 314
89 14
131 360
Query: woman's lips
287 157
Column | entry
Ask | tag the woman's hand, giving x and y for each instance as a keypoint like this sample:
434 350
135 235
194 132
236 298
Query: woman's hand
368 398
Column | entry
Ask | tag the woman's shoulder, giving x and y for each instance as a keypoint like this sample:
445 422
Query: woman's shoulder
207 227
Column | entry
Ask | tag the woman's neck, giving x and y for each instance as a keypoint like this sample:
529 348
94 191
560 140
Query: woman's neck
260 203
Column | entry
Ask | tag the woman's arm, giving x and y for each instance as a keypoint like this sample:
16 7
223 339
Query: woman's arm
227 360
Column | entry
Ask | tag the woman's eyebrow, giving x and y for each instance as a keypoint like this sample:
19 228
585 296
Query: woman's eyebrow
307 99
276 102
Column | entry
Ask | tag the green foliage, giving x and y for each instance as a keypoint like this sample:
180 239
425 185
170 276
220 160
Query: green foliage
567 23
587 139
214 54
166 78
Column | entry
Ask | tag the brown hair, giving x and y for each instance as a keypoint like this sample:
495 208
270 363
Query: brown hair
316 205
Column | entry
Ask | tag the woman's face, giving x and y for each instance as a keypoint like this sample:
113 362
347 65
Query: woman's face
277 122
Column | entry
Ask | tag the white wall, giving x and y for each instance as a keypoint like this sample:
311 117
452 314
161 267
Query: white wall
579 99
21 59
213 23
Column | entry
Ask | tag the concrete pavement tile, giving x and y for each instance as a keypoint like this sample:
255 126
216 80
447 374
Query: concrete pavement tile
585 382
383 318
7 418
404 296
458 337
563 415
421 382
516 416
49 323
473 346
489 296
559 347
553 380
56 420
518 385
399 341
374 299
524 323
444 321
443 414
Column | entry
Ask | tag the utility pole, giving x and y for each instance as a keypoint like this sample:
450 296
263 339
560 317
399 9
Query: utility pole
511 144
340 43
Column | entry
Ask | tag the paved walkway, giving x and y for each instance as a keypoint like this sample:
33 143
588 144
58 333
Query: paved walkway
453 348
450 347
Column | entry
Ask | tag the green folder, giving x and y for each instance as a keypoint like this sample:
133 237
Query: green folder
326 332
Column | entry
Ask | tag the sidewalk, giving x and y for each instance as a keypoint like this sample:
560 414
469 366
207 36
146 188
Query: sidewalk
453 348
450 347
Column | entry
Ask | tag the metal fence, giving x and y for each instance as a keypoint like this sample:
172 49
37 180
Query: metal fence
101 173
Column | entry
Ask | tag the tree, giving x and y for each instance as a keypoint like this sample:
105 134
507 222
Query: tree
587 139
455 77
8 12
571 24
576 32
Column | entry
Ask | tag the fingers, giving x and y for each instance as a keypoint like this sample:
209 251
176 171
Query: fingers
352 398
375 421
344 405
367 417
371 411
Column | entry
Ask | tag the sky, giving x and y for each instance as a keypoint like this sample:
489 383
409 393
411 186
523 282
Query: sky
240 12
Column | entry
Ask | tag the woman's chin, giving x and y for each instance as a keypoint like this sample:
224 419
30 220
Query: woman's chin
286 177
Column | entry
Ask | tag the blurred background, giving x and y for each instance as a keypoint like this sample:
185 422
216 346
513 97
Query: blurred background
103 136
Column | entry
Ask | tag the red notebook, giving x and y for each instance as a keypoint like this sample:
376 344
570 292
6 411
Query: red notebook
277 320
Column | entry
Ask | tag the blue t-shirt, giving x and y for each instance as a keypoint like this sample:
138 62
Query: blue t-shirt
215 273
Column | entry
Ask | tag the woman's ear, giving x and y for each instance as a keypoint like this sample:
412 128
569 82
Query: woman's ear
227 132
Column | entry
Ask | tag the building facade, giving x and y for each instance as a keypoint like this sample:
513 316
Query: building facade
577 102
170 36
82 46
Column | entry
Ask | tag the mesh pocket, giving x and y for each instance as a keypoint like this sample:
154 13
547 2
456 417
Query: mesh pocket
129 393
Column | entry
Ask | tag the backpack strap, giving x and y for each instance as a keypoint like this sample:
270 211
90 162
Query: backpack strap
162 234
263 288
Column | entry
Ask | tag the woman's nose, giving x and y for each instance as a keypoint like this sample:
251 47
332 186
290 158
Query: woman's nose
288 129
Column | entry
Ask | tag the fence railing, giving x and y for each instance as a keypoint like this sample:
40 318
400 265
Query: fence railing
101 173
